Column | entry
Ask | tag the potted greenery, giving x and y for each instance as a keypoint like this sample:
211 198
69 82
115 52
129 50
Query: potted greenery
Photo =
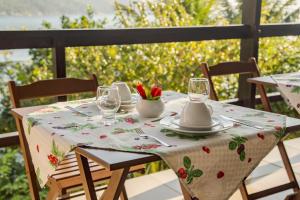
149 104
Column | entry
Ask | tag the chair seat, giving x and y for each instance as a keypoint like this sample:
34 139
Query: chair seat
67 174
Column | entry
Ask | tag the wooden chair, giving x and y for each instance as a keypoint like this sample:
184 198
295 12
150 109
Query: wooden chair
295 196
251 68
67 176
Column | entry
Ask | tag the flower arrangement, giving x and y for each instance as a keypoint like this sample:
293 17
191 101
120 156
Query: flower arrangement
153 94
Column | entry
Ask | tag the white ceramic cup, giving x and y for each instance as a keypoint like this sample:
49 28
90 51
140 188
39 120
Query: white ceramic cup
196 114
124 91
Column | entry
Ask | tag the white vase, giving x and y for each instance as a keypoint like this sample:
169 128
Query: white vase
150 108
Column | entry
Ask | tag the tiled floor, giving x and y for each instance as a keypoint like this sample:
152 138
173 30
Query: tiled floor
270 172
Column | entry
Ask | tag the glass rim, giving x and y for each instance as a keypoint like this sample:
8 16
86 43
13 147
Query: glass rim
199 79
107 86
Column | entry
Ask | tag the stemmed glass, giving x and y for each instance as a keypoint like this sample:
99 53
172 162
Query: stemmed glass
198 89
108 101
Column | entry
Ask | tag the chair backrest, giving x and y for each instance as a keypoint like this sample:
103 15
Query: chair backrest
228 68
50 88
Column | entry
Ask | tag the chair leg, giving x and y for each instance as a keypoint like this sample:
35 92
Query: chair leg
243 190
185 193
53 193
123 194
287 165
31 176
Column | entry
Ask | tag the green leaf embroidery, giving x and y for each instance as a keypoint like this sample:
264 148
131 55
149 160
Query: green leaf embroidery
188 173
197 173
189 179
237 143
170 133
31 123
296 89
38 175
242 156
187 162
232 145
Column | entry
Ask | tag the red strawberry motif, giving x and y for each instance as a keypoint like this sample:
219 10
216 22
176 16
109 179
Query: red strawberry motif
261 136
278 128
103 136
249 160
38 148
182 173
220 174
240 148
206 149
129 120
53 159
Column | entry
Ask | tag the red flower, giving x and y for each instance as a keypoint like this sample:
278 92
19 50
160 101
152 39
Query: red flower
141 91
53 159
38 148
156 91
103 136
182 173
278 128
220 174
206 149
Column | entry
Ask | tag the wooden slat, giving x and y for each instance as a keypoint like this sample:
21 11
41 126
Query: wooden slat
75 172
73 168
271 191
275 30
73 178
48 88
9 139
98 37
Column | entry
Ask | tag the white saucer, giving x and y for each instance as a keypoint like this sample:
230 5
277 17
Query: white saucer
167 124
176 121
127 107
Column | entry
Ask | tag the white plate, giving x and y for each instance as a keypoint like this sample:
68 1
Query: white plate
167 124
176 121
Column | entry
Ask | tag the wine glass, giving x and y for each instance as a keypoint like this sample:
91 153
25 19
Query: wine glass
198 89
100 90
109 102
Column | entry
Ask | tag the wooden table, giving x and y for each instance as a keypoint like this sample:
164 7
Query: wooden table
118 162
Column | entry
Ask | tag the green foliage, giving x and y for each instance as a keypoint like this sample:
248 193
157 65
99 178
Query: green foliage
13 179
170 64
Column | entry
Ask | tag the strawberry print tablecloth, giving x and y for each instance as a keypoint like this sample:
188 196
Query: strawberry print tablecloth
210 167
289 87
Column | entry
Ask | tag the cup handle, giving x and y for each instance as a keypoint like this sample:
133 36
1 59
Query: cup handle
210 109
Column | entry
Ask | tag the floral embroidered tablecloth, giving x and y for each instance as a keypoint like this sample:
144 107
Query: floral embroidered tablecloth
210 167
289 87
